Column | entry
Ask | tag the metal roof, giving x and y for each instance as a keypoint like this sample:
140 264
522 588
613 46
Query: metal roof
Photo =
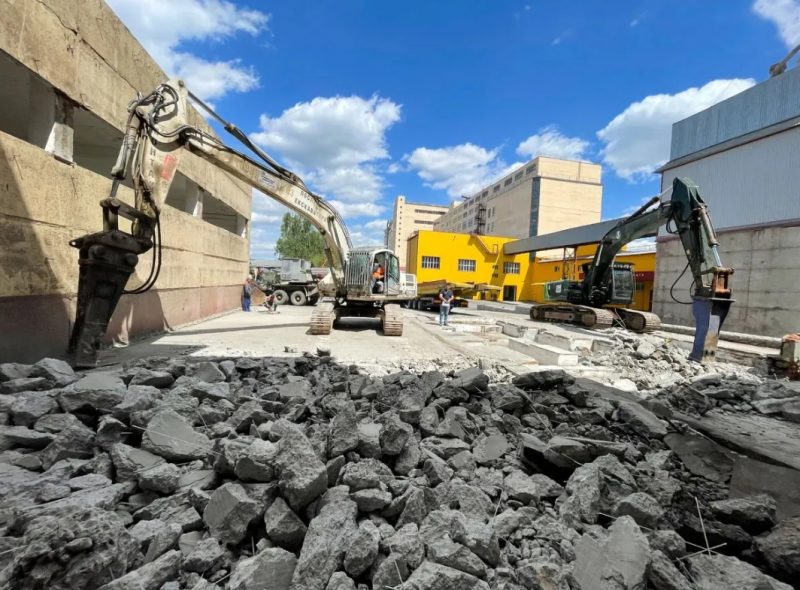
567 238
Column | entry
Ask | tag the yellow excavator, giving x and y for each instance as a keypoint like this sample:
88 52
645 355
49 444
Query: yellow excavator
156 132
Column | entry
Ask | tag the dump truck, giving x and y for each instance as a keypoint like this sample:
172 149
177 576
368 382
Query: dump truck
291 279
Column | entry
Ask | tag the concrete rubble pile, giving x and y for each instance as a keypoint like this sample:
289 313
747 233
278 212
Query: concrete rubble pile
299 473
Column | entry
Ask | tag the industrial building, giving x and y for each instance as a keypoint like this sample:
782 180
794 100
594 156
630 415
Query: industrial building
742 153
542 196
69 70
406 219
472 258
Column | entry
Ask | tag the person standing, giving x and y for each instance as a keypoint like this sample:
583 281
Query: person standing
446 297
247 294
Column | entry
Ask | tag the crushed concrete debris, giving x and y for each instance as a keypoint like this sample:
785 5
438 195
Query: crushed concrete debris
299 473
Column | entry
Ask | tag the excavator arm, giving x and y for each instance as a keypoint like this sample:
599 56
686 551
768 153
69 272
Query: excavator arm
156 133
687 216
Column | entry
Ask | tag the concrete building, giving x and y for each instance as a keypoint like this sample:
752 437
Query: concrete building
407 219
743 154
69 70
471 258
542 196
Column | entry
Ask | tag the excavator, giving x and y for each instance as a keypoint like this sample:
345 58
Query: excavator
599 299
156 132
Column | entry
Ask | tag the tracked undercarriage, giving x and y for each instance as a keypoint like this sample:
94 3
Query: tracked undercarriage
590 317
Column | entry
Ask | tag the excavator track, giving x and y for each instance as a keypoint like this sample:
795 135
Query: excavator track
322 319
574 314
639 321
392 320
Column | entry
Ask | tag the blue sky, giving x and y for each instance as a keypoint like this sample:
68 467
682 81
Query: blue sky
370 99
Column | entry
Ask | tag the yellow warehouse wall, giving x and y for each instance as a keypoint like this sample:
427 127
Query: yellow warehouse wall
489 265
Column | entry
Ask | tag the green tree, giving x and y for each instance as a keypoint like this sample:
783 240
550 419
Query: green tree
300 239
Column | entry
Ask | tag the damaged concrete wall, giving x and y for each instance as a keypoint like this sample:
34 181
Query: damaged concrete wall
81 60
766 282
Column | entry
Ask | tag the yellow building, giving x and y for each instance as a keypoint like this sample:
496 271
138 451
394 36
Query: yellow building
470 258
408 218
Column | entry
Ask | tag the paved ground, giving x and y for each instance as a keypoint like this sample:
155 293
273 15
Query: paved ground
359 341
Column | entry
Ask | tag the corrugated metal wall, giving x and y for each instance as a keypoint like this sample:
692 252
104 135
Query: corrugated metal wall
765 104
752 184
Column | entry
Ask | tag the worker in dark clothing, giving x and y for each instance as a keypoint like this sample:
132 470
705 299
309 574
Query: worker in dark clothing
247 293
271 302
446 297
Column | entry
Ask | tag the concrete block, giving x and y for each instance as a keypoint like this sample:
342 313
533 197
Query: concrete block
545 354
573 343
516 330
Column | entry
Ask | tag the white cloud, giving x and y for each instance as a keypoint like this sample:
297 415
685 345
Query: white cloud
376 225
551 142
161 27
265 225
358 209
334 143
637 141
460 170
785 14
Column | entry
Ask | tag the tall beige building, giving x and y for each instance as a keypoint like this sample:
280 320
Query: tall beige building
407 219
540 197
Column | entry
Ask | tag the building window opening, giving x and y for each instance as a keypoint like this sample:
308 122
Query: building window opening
431 262
465 265
220 214
510 293
507 182
511 268
518 175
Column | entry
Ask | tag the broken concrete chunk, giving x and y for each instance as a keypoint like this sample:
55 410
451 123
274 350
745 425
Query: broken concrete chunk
781 549
208 372
257 462
490 448
663 574
170 436
284 527
24 384
444 447
365 474
129 462
455 555
371 499
204 556
271 569
11 371
394 433
711 572
30 407
407 543
229 512
302 476
755 513
619 562
75 441
643 508
363 549
85 482
471 380
328 537
162 478
150 576
159 379
25 437
641 420
528 488
98 392
340 581
435 576
478 538
540 380
344 432
567 453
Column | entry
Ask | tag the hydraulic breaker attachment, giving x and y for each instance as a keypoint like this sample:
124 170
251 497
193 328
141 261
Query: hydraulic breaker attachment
107 260
709 315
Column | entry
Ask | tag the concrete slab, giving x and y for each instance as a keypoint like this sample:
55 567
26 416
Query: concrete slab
564 341
545 354
751 477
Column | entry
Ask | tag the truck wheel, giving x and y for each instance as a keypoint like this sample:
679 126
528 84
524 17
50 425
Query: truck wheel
298 298
281 297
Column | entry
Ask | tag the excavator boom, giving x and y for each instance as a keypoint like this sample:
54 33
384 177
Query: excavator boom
156 133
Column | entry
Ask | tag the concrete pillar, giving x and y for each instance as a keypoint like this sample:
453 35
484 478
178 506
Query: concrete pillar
241 226
51 123
196 208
